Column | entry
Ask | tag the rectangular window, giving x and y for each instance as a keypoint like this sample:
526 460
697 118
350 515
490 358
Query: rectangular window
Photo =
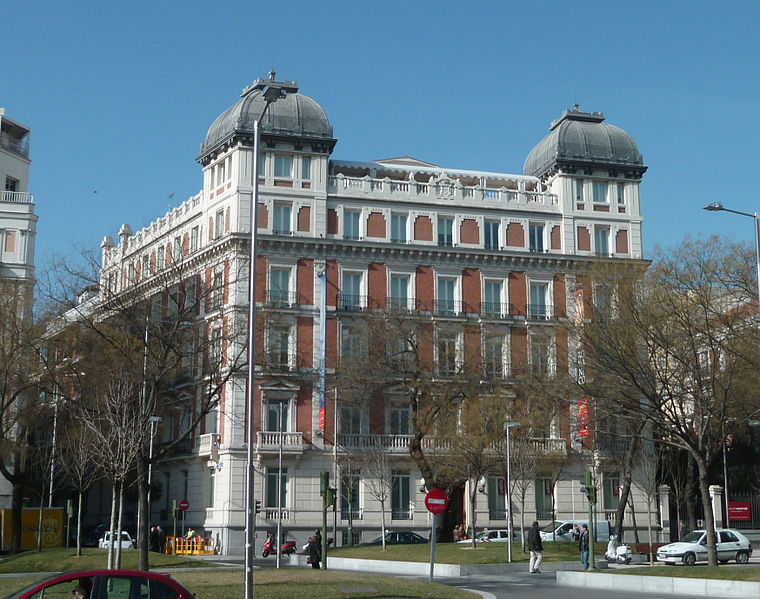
621 193
539 355
279 346
145 266
446 349
579 191
160 258
538 307
283 166
399 418
217 289
219 224
281 224
497 498
445 231
10 241
279 287
491 237
131 273
350 291
611 491
492 299
600 192
194 239
401 493
349 495
536 238
277 416
215 347
445 303
398 228
602 241
306 168
262 164
351 224
220 178
399 292
177 253
349 342
11 184
350 422
543 488
276 481
493 357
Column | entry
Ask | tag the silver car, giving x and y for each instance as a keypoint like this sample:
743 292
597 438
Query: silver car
730 544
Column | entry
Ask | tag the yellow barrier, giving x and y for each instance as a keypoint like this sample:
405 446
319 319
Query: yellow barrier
193 546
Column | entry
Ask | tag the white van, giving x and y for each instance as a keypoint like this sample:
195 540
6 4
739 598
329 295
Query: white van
565 528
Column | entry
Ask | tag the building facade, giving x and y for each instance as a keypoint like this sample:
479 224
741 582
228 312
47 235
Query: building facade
18 224
337 240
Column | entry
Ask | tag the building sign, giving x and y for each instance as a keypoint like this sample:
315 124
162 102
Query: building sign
583 417
739 511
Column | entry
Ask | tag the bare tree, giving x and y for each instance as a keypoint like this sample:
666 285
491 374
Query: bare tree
378 480
647 478
524 466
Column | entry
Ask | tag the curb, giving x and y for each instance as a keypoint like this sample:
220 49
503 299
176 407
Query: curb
700 587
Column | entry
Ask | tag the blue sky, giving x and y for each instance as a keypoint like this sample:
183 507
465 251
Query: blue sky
119 95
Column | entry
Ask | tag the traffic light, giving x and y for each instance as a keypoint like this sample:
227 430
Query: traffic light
324 483
329 496
257 507
174 509
590 489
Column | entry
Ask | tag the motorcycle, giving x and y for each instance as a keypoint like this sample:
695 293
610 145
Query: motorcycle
618 553
287 548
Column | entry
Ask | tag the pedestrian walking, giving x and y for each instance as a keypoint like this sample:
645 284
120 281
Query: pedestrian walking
576 533
161 539
536 548
682 530
583 545
315 553
457 534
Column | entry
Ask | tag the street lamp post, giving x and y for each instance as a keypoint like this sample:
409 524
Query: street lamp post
154 420
270 91
508 493
718 207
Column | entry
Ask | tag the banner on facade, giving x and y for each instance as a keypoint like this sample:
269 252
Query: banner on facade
583 417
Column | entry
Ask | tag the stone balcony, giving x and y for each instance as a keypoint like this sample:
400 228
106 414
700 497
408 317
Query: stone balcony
208 445
271 441
16 197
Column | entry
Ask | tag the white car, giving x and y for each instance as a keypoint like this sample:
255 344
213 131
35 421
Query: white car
731 544
495 535
126 541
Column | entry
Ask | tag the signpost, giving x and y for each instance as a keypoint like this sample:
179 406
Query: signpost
183 505
436 503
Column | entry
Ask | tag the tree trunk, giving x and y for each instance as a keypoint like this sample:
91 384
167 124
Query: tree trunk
39 521
112 529
633 520
522 522
473 490
704 488
79 524
117 561
649 530
382 522
691 484
16 506
625 489
143 515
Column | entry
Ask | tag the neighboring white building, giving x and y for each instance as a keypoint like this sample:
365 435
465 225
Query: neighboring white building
506 251
18 224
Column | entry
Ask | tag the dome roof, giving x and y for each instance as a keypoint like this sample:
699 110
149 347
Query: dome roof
581 139
294 115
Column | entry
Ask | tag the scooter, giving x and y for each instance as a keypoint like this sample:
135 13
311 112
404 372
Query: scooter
617 553
287 548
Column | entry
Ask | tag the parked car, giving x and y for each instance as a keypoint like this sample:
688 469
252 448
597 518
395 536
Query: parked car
494 535
102 584
399 537
127 542
730 544
564 530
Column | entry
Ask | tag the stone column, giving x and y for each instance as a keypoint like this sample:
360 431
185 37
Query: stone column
716 501
663 496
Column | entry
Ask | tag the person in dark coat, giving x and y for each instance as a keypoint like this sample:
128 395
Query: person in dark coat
315 553
536 548
583 546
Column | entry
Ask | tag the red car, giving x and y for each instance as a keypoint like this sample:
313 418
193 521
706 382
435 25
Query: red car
105 584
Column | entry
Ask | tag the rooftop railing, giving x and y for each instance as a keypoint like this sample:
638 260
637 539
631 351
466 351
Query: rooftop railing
18 197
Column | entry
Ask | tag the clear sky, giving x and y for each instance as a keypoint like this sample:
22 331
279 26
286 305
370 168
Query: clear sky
119 95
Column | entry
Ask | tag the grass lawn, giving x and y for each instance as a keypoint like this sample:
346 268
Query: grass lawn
727 572
459 553
223 583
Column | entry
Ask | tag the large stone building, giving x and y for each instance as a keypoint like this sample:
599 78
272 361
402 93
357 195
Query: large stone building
18 224
340 239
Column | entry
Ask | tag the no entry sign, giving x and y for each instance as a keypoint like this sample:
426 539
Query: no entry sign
436 501
184 504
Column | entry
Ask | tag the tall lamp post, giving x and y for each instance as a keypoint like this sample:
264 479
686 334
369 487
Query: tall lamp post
270 91
718 207
508 493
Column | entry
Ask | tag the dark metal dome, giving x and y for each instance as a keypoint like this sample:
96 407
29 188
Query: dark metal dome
581 139
294 115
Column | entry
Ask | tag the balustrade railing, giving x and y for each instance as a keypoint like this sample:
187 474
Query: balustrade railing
271 440
16 197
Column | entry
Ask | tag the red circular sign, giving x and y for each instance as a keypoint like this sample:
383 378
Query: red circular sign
184 504
436 501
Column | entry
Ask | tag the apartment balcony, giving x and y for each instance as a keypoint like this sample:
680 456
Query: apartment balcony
269 442
276 298
549 445
496 310
272 513
208 445
446 307
390 443
16 197
348 302
539 312
356 514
